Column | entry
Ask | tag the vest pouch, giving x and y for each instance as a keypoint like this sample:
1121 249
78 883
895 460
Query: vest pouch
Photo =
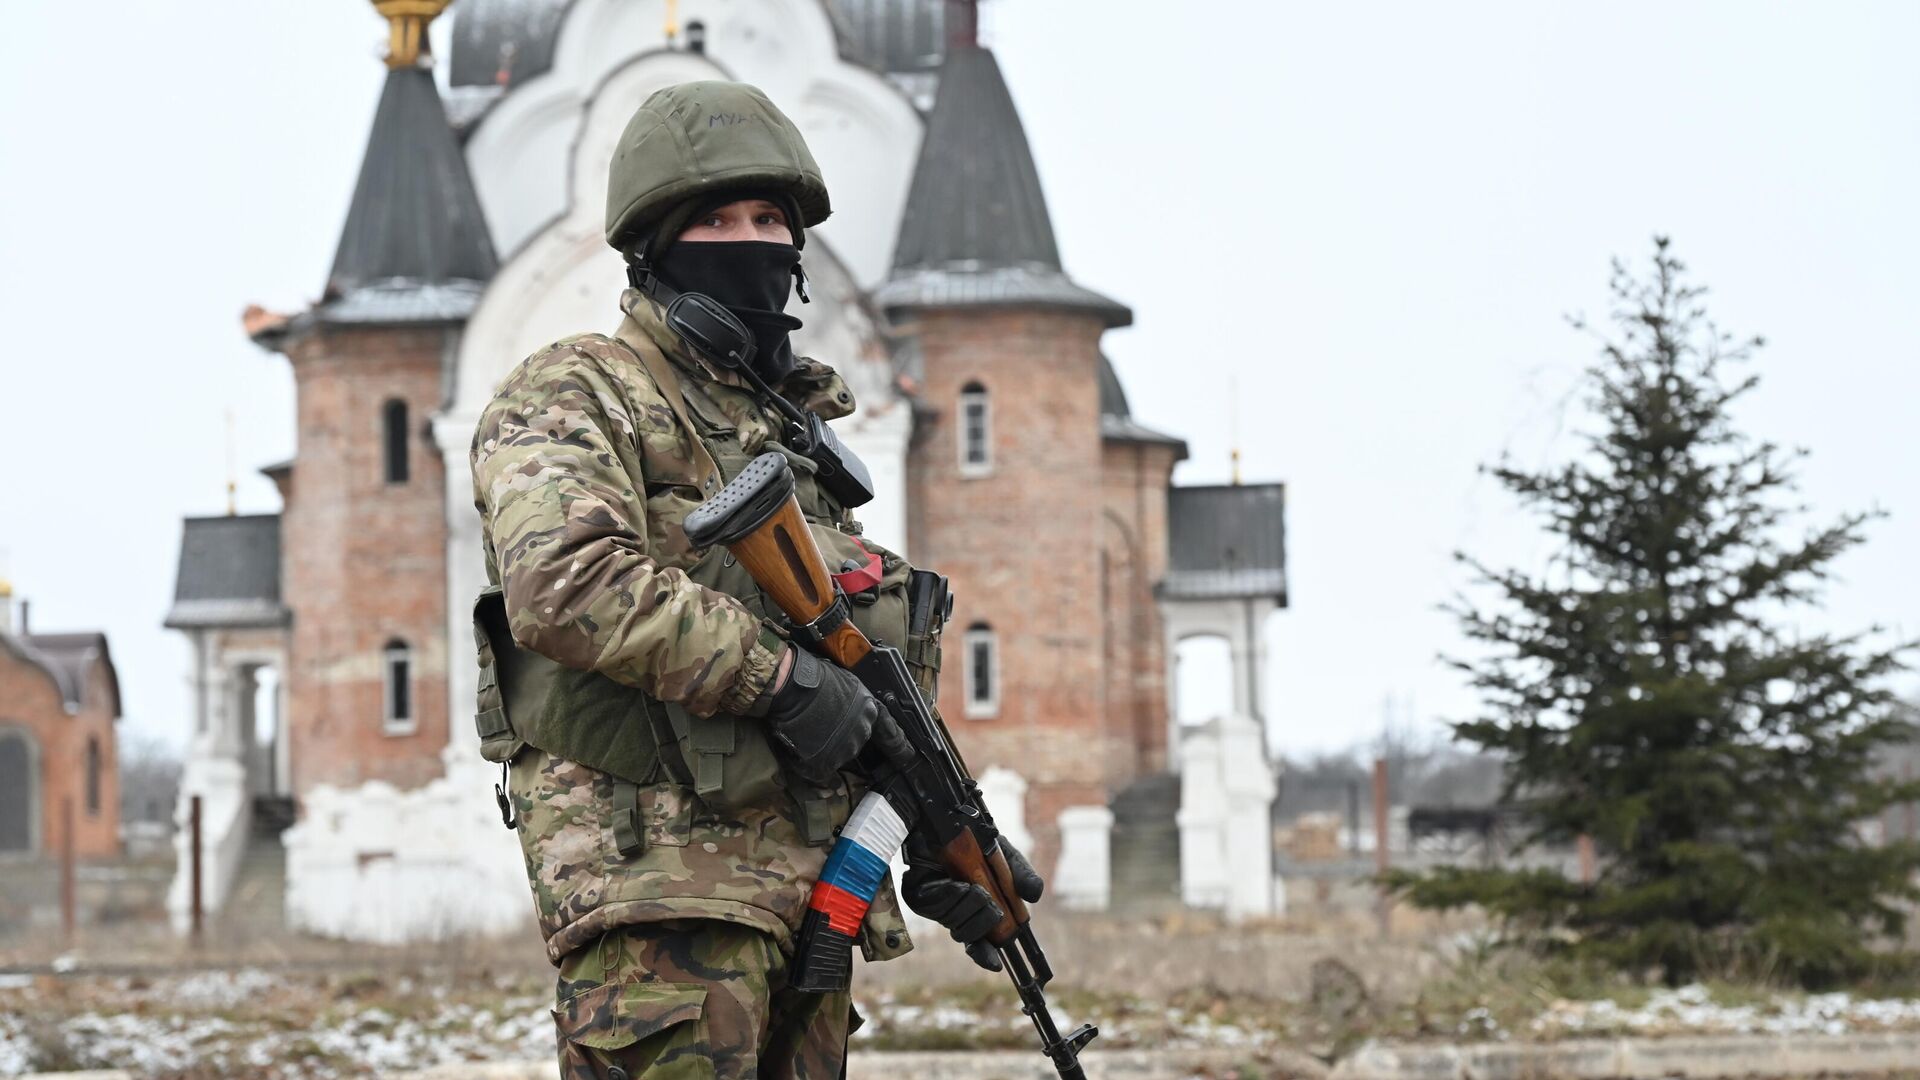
730 758
650 816
922 651
498 743
884 619
923 663
735 766
583 716
819 812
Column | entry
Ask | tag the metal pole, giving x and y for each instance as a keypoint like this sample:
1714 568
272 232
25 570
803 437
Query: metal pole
198 913
67 919
1353 817
1382 834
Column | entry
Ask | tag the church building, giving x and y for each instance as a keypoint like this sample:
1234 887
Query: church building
59 771
998 436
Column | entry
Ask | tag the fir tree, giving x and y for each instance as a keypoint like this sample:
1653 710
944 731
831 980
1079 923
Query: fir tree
1648 689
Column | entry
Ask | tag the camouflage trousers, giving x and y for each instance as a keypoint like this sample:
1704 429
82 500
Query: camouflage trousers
697 999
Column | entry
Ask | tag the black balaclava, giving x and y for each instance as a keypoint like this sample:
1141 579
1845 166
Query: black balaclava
752 279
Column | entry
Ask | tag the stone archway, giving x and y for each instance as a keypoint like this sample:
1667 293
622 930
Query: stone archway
1205 677
19 791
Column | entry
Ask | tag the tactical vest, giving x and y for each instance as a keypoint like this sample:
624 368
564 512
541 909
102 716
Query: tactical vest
526 699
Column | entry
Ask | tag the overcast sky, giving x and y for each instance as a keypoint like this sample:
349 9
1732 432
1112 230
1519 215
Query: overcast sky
1350 233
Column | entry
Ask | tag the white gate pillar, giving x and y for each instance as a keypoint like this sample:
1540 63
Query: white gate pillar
1226 825
1005 793
1248 781
1083 879
1202 820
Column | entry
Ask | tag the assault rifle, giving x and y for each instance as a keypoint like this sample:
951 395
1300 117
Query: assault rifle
757 518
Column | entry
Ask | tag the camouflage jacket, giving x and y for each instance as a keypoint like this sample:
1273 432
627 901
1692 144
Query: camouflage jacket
582 477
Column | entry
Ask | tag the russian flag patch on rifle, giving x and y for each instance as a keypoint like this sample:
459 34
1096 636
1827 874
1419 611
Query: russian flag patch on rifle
823 956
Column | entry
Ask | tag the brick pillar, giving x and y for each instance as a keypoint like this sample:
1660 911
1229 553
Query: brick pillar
1136 478
363 559
1022 545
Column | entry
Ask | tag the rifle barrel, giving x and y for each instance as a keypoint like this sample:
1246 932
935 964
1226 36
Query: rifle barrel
1063 1050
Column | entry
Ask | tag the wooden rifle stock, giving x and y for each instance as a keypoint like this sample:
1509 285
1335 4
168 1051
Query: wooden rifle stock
786 563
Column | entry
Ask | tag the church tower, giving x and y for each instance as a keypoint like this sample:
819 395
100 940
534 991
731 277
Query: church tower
1005 472
364 529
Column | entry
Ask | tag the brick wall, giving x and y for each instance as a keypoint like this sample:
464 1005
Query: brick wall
1023 548
30 701
363 560
1135 477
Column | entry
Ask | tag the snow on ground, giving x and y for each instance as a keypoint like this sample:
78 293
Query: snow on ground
255 1023
918 1020
277 1025
14 1057
1693 1010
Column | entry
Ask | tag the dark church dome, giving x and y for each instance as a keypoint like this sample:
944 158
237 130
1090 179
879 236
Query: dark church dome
897 37
510 41
503 41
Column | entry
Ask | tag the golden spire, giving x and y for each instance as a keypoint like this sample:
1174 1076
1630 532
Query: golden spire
6 593
407 20
233 486
1233 424
673 21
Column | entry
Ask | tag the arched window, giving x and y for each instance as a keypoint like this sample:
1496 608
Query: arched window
19 790
1205 678
93 776
976 431
393 440
982 672
398 664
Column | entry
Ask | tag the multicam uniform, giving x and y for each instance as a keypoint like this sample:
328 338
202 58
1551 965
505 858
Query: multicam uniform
670 855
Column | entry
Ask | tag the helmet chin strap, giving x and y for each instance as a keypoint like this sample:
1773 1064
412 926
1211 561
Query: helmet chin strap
642 277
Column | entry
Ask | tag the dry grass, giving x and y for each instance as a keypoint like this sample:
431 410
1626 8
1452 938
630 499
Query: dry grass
318 1008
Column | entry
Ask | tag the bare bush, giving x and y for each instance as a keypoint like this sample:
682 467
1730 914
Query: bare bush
149 780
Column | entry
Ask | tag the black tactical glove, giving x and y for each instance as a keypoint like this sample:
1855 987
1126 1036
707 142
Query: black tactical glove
965 909
824 717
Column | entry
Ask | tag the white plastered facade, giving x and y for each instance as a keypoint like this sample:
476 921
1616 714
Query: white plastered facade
436 857
225 765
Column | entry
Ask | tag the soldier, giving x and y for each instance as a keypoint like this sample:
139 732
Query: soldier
675 768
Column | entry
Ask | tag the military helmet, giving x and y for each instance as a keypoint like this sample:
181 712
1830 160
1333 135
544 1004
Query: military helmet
704 139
